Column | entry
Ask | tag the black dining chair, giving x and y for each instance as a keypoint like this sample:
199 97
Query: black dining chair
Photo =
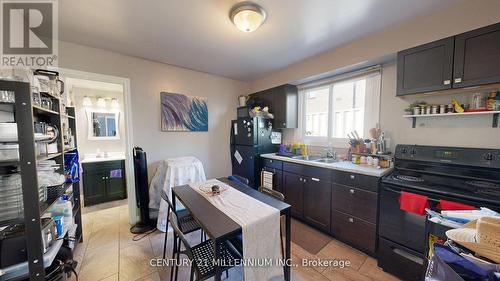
271 192
186 222
241 179
200 256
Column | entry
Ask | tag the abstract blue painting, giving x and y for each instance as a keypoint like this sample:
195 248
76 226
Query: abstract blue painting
180 113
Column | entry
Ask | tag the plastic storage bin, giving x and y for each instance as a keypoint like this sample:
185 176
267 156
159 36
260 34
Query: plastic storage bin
9 152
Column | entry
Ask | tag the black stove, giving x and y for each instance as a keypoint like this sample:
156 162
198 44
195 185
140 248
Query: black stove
464 175
406 177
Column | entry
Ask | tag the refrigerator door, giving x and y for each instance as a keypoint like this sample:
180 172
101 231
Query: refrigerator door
264 130
244 160
245 132
234 126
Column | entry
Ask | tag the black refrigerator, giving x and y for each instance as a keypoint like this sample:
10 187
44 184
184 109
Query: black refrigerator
250 137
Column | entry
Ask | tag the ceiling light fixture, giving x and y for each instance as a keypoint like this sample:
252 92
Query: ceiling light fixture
86 101
247 16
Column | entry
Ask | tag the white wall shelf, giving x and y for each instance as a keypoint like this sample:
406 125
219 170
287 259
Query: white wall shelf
493 113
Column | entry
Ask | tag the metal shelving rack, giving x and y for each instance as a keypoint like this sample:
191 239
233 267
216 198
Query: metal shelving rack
25 115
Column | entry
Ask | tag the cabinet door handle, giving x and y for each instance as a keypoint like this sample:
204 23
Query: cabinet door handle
315 179
284 124
353 177
458 80
351 191
351 220
270 161
446 82
304 180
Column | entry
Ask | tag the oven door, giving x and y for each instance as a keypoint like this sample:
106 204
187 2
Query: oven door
399 226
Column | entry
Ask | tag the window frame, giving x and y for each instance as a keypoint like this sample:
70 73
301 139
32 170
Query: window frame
371 109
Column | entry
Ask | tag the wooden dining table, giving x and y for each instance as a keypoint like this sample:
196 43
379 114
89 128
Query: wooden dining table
219 227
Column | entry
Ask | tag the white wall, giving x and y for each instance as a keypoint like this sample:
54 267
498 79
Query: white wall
85 145
147 80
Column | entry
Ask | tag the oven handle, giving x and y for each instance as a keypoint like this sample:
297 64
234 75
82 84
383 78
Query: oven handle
396 191
408 256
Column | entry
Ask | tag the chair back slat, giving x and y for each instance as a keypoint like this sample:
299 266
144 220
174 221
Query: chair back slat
276 194
178 232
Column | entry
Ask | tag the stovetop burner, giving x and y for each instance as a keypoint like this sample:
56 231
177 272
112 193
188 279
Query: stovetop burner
408 178
484 187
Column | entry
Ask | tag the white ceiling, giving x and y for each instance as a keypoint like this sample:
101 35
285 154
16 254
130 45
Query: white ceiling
198 34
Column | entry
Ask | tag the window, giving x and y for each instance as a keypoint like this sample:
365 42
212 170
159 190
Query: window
316 115
337 107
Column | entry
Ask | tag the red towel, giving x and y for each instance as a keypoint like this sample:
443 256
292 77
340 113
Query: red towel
452 206
413 203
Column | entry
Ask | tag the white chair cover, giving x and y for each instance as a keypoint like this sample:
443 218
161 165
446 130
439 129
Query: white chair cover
172 172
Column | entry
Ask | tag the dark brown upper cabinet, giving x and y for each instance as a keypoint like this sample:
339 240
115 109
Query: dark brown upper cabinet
468 59
425 68
477 57
283 104
286 102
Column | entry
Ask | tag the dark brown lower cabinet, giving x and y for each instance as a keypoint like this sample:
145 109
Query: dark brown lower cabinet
103 182
354 231
317 202
357 202
343 204
293 191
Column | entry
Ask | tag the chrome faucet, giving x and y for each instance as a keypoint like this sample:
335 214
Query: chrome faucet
330 153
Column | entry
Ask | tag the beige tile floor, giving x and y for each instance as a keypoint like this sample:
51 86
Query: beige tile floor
109 253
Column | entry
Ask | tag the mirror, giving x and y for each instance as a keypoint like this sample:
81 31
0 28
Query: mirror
103 125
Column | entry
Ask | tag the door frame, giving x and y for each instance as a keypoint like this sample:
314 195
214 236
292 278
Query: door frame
127 97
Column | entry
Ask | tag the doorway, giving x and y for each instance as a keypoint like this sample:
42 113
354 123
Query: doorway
104 134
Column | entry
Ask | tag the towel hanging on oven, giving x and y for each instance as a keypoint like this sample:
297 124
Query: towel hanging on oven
413 203
266 179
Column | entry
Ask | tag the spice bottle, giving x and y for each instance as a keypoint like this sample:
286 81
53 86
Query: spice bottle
490 101
497 101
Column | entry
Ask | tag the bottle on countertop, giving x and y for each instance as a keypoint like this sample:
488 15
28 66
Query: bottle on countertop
497 101
491 101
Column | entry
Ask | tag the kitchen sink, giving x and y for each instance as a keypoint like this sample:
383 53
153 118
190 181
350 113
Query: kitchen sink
327 160
307 158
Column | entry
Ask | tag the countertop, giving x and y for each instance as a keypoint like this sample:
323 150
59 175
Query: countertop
94 158
346 166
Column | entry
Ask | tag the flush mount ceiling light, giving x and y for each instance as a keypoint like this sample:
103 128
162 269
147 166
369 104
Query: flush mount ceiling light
86 101
247 16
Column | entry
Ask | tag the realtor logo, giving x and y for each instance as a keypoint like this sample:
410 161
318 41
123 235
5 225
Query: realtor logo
28 34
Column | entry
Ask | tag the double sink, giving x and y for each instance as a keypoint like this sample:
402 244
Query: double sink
312 158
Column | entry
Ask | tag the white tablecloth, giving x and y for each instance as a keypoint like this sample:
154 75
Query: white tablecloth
260 224
172 172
